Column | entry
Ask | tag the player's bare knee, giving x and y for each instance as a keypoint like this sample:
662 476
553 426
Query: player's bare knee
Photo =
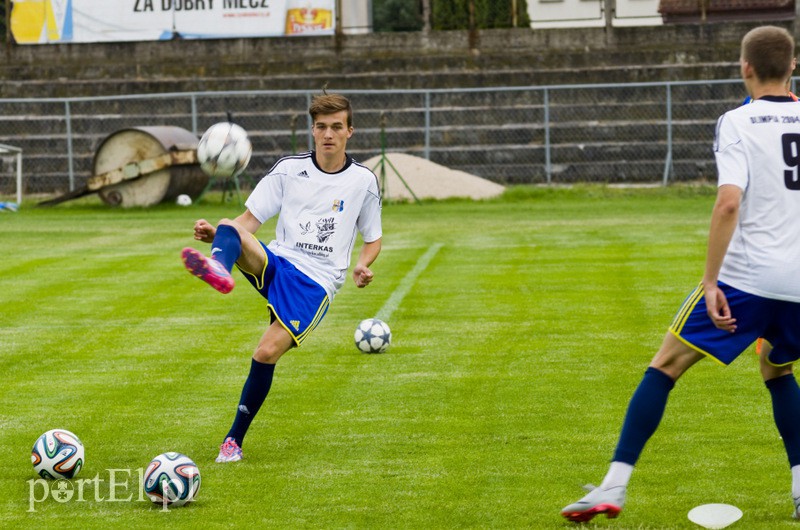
229 222
267 354
235 225
770 371
674 357
265 357
774 373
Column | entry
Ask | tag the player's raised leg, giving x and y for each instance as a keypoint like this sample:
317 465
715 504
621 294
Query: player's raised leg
226 248
209 270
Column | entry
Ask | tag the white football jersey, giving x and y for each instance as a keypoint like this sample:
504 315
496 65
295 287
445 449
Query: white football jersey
318 214
757 147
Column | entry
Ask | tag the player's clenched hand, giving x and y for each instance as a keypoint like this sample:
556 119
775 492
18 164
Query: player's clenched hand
362 276
204 231
718 309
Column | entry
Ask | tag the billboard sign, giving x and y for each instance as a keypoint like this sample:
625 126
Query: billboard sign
59 21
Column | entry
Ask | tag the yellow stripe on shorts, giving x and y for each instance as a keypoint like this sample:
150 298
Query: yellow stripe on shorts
320 313
686 309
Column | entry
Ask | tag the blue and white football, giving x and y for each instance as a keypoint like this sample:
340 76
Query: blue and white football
373 336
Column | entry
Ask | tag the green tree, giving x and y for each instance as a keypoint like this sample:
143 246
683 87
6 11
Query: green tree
454 14
396 15
450 14
3 19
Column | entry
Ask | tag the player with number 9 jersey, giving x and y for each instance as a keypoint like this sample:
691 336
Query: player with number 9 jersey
751 283
757 148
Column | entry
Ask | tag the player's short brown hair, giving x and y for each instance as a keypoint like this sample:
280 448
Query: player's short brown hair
330 104
769 50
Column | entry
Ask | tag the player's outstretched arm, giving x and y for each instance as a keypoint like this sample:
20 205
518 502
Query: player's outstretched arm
362 275
204 231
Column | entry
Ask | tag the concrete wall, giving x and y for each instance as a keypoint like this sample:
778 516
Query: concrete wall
385 60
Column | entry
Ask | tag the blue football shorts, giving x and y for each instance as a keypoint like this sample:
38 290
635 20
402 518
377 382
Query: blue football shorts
777 321
296 301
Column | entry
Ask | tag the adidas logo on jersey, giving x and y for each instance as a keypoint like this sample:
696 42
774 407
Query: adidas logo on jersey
295 324
304 174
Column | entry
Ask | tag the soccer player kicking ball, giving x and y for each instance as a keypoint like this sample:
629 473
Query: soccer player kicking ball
751 284
321 199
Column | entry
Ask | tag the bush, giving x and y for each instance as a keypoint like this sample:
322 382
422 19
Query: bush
396 15
406 15
454 14
3 19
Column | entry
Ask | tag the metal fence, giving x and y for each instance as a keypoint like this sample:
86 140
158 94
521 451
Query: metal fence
609 133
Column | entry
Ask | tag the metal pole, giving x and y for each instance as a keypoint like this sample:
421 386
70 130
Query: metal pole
293 140
548 168
383 154
19 177
194 115
310 123
70 154
427 126
668 161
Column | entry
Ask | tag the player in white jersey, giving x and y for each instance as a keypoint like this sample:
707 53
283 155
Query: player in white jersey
751 284
761 344
319 214
323 199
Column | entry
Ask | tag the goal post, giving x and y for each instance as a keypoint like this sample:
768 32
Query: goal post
11 150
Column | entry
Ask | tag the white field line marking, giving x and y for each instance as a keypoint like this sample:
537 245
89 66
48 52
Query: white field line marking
397 296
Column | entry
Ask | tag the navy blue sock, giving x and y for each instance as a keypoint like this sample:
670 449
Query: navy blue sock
254 393
786 410
227 246
644 414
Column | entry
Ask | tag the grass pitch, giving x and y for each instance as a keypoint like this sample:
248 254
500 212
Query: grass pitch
515 352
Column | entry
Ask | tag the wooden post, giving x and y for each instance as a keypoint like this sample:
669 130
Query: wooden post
796 22
608 10
473 30
338 21
338 30
514 13
426 16
7 21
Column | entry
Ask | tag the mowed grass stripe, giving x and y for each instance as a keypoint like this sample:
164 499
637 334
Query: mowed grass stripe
407 282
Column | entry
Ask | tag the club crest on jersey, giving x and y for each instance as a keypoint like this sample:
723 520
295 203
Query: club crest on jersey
325 228
338 205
